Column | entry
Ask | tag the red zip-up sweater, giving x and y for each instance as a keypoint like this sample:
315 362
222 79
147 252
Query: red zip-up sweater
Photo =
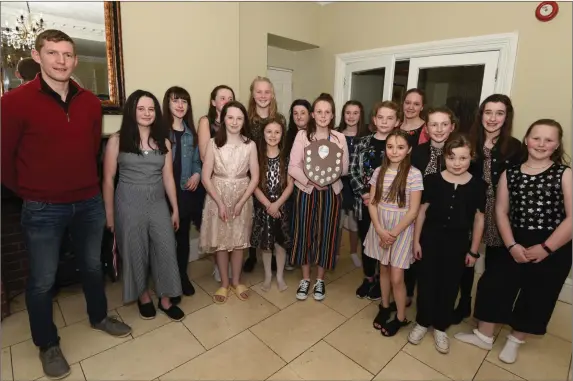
49 146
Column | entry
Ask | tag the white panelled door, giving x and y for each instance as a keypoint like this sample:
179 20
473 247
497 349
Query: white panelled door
283 83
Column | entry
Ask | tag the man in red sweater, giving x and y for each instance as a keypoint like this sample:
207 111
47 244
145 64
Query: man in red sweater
51 130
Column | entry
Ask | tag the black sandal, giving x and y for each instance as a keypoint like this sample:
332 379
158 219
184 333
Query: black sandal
382 317
392 327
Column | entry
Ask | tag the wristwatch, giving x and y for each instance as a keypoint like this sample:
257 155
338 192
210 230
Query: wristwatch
474 255
548 250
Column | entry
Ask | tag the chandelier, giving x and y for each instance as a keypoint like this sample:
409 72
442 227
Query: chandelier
23 35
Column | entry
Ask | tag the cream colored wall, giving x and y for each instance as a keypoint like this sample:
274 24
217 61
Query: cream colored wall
304 65
542 83
294 20
190 44
199 45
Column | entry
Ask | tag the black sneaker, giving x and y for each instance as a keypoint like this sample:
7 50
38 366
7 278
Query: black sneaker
54 363
146 311
175 300
302 292
319 290
375 293
174 313
364 289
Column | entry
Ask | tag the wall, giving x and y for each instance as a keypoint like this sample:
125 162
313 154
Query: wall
197 48
205 44
302 63
542 83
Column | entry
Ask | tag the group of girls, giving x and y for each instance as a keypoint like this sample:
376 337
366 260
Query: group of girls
417 194
425 197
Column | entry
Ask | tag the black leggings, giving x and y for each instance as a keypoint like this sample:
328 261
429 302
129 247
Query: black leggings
190 212
522 295
369 265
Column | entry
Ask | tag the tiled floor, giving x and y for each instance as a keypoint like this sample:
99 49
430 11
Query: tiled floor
271 336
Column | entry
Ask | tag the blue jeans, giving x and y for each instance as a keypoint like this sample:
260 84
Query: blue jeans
44 225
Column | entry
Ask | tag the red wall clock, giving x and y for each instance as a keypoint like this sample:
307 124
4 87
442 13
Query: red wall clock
546 11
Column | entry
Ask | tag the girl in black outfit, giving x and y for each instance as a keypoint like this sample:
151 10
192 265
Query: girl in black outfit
521 284
453 203
299 116
178 114
412 122
496 150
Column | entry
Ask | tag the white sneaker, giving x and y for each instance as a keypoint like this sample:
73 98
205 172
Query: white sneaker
417 334
509 352
441 341
356 260
216 274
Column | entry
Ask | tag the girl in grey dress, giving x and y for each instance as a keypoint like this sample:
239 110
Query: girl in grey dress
139 214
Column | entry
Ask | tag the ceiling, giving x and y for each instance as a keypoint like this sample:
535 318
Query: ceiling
78 19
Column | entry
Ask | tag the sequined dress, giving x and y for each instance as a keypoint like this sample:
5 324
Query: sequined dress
230 181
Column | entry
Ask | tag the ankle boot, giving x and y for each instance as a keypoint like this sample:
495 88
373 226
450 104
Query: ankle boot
462 311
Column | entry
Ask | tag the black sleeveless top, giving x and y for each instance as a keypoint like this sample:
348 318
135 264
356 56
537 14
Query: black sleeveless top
536 201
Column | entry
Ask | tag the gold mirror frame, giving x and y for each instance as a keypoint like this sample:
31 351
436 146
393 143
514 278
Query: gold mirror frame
114 54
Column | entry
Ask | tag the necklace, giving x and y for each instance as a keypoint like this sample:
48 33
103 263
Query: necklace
529 166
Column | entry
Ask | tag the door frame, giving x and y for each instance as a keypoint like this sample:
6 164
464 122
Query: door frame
505 43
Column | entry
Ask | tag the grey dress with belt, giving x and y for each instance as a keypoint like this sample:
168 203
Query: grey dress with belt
144 233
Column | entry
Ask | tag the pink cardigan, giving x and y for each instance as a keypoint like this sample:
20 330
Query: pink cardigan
295 167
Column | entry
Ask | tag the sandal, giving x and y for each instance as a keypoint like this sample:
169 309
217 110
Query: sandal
241 290
383 315
392 327
222 292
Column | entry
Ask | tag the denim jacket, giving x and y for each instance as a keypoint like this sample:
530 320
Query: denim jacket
190 159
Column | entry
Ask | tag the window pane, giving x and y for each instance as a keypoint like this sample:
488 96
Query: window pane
368 88
457 87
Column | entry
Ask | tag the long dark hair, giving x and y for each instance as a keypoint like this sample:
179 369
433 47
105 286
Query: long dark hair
477 131
263 160
362 128
292 127
558 156
129 138
212 113
221 136
176 93
311 128
397 191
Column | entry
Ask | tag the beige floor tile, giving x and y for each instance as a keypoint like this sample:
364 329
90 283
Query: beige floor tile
74 307
281 299
540 358
285 374
207 284
405 368
302 325
76 375
6 365
218 322
130 313
146 357
343 267
16 327
570 372
70 290
322 362
490 372
200 268
341 294
78 342
560 323
244 357
358 340
461 363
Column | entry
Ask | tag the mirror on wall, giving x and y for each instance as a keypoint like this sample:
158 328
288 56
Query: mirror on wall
95 28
